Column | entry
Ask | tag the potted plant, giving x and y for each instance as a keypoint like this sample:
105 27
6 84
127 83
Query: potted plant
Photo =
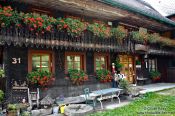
138 64
12 109
77 76
119 33
8 16
124 84
155 75
139 37
104 75
74 27
40 78
99 30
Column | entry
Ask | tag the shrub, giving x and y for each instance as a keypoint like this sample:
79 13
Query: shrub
124 84
12 107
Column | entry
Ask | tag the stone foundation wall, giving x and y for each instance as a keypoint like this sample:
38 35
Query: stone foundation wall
68 91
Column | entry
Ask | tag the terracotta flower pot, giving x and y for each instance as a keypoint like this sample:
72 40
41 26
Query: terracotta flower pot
156 79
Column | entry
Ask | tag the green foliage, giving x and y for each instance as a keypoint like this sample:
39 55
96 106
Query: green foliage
26 113
104 75
39 24
118 65
153 38
150 102
42 78
138 62
99 30
140 37
1 95
124 84
120 33
8 16
11 107
74 73
2 73
154 74
77 76
74 27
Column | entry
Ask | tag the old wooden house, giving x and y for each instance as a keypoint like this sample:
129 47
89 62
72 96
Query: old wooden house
142 40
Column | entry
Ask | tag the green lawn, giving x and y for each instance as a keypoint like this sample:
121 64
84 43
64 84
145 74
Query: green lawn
148 105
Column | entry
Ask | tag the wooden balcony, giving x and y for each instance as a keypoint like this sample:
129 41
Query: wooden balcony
57 39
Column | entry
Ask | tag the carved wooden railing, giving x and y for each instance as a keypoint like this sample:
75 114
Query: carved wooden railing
60 39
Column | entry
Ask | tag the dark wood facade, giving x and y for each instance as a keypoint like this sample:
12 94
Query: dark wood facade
19 42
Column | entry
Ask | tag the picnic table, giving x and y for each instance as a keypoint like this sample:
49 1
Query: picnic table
109 93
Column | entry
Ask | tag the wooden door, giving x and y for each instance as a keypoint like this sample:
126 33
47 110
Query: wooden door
128 67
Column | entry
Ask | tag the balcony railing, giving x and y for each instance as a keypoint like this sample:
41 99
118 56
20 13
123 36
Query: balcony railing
60 39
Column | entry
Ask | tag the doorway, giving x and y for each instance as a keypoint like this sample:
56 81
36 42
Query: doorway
128 67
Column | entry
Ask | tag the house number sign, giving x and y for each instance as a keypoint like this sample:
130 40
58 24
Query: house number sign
16 60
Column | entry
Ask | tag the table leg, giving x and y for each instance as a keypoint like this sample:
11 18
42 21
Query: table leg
118 96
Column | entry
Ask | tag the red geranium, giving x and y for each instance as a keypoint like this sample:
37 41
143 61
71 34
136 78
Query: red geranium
42 78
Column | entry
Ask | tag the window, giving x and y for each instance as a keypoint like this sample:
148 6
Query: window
74 61
40 60
152 64
101 61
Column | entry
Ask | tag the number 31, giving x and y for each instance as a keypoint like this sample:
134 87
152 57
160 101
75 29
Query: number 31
16 60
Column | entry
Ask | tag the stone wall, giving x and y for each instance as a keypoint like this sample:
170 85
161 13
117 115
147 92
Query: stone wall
73 90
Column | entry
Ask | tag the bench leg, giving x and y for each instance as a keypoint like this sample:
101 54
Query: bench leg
118 96
118 100
94 103
101 104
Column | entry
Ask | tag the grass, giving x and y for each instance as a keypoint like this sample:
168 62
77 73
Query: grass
150 104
